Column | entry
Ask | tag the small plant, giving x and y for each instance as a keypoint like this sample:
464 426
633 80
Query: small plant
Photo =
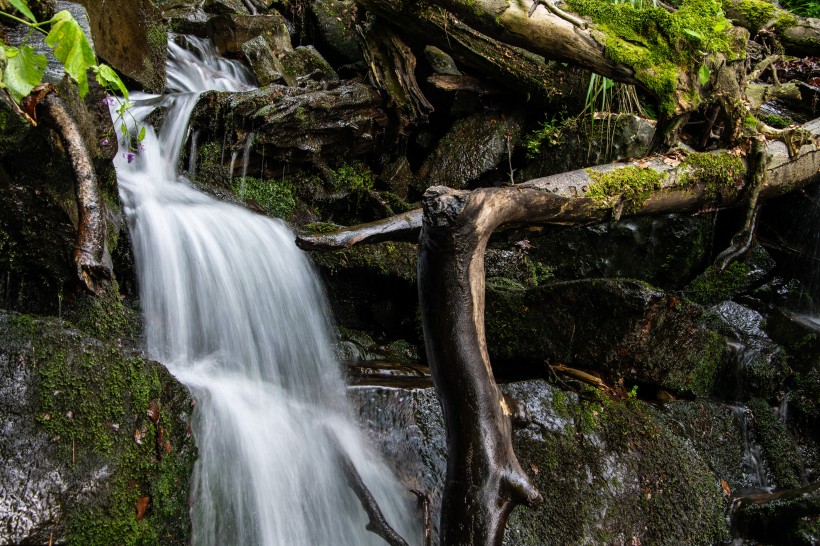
355 177
275 196
778 122
548 134
805 8
22 70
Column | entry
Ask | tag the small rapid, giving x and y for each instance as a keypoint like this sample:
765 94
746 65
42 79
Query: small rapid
235 311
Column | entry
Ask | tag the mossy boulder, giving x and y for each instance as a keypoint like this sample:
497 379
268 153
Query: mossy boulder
229 32
473 147
96 443
623 329
336 22
611 471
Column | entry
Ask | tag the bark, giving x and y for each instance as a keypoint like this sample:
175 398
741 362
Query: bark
91 258
392 68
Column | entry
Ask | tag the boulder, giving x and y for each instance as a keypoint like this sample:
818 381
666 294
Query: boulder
336 22
265 65
230 31
306 62
440 62
611 471
131 36
626 330
225 7
95 440
474 146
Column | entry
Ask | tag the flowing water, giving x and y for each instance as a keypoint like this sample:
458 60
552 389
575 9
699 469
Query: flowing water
233 308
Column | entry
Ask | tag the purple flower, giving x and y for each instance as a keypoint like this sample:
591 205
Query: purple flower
142 147
104 142
109 100
130 156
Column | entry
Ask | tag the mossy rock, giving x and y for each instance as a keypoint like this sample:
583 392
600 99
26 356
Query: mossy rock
779 448
110 430
713 286
624 329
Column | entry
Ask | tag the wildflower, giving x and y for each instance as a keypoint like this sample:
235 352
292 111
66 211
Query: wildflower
104 142
142 147
109 100
130 156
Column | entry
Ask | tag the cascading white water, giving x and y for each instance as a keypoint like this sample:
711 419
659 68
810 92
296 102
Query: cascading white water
235 311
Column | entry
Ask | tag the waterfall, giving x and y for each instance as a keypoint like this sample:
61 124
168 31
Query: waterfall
235 311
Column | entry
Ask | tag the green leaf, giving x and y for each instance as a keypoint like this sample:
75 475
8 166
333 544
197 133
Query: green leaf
141 136
24 70
22 7
703 74
694 34
71 48
110 79
721 25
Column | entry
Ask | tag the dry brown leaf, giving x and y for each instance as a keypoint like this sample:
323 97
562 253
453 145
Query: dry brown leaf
142 506
153 411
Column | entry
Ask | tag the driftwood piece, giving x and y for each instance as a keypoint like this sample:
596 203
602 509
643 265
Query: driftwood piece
447 82
402 227
91 259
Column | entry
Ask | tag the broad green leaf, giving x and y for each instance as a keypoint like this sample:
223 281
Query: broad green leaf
141 136
110 79
694 34
721 25
703 74
24 70
71 48
22 7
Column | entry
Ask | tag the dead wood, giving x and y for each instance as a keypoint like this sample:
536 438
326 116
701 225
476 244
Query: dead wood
91 258
377 524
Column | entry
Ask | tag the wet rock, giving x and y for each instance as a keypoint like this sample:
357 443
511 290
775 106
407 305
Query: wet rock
306 62
184 17
665 251
779 447
440 61
263 62
78 404
398 176
335 20
471 148
225 7
623 329
230 32
131 36
755 366
294 124
792 520
612 472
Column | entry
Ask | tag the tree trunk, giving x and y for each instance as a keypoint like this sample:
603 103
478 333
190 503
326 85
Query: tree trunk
484 479
799 35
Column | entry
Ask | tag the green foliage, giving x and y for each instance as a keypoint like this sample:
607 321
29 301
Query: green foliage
354 177
71 48
804 8
548 134
632 184
275 196
24 69
660 45
321 227
714 286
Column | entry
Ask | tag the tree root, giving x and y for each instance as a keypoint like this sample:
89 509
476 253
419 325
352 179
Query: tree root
552 8
91 258
377 524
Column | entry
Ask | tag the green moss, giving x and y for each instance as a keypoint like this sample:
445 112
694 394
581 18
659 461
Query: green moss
779 449
392 259
321 227
275 196
756 12
354 177
720 173
778 122
713 286
659 45
92 400
633 185
785 21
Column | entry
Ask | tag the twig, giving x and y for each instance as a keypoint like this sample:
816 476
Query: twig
424 503
577 21
377 523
